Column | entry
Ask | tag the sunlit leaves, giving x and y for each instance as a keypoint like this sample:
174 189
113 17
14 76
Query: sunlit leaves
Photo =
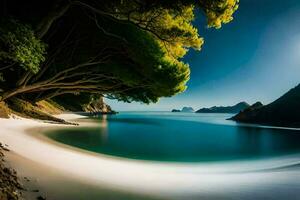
219 11
19 45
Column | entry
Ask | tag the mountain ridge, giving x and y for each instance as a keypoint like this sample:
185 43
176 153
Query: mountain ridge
225 109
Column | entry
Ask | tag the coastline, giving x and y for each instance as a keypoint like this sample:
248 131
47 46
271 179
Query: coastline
77 168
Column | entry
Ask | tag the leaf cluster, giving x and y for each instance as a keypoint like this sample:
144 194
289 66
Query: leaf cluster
18 45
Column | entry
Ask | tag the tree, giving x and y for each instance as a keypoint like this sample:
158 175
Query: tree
128 50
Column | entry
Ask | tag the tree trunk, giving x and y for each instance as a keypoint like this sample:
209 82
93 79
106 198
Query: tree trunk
9 94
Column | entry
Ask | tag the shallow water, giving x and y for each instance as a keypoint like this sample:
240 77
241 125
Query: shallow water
179 137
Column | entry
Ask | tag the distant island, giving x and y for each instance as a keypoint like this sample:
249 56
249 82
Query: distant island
187 109
184 109
285 111
225 109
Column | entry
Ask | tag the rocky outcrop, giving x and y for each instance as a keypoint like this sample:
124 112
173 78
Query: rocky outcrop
225 109
98 106
176 110
285 111
83 103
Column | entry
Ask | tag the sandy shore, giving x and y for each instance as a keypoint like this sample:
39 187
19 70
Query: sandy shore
62 172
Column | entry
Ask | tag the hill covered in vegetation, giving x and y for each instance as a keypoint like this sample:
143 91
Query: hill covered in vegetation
285 111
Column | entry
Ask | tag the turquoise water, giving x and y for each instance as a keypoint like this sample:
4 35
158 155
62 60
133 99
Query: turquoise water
180 137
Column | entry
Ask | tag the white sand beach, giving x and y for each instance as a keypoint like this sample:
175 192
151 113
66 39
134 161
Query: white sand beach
63 172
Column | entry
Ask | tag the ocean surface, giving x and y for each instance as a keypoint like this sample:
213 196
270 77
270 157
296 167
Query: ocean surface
179 137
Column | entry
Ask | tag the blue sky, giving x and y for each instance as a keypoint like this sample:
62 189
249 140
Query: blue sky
254 58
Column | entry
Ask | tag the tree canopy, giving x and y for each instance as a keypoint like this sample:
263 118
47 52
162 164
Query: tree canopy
122 49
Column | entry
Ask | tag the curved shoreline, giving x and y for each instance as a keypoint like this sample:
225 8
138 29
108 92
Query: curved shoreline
164 180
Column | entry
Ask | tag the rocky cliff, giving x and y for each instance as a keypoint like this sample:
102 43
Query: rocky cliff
98 106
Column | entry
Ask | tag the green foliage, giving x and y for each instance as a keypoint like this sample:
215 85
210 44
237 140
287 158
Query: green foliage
128 50
19 45
219 11
169 34
146 69
171 27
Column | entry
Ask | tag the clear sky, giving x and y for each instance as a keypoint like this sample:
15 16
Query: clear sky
254 58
